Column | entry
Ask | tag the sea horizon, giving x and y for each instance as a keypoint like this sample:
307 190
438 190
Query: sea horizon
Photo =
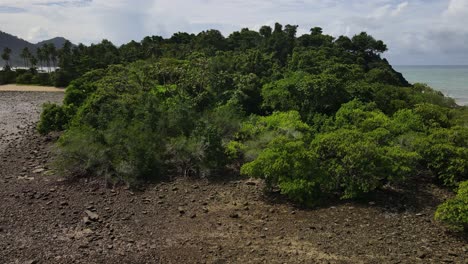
451 80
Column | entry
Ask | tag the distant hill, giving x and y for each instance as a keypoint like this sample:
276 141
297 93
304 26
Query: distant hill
58 42
17 45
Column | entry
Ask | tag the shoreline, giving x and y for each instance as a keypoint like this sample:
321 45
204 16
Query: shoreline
29 88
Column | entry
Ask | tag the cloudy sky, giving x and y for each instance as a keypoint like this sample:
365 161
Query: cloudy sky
416 31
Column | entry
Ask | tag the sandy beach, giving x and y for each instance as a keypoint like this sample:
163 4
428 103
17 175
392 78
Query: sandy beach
29 88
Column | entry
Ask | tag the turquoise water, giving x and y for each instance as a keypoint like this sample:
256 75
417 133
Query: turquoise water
450 80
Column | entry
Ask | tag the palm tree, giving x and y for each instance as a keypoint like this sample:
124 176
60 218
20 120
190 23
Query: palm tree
33 61
53 54
46 49
25 55
41 56
6 57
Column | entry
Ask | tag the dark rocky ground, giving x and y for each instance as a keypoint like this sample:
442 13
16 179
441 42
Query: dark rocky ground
45 218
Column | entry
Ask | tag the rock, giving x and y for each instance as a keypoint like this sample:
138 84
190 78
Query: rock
63 203
86 220
181 210
83 246
31 262
92 216
421 255
234 215
193 215
251 182
37 171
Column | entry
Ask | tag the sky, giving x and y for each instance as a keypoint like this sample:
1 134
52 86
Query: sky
417 32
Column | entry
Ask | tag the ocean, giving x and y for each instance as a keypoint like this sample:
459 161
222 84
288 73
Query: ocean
452 81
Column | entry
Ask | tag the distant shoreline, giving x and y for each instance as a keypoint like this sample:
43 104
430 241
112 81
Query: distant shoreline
29 88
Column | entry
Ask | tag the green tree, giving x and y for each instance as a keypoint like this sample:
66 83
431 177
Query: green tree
6 57
26 55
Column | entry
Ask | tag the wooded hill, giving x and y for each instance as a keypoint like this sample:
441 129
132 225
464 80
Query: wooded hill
17 45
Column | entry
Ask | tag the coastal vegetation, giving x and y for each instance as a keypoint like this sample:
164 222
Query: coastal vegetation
314 116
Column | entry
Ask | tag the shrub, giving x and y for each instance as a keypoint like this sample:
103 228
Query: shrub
454 212
276 148
305 93
25 78
53 118
445 153
432 115
348 161
114 141
132 130
42 79
7 77
385 76
291 166
355 163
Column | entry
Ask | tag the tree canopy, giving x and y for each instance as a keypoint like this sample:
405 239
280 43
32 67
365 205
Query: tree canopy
313 116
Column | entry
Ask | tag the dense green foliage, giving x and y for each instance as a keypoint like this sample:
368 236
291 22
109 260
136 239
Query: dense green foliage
7 76
312 115
30 77
454 212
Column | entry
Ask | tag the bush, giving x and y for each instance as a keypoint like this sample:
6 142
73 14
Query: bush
42 79
133 130
445 153
53 118
305 93
7 77
25 78
454 212
114 140
291 166
433 116
355 163
348 161
57 118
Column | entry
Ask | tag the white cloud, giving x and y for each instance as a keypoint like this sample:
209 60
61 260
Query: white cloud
457 7
400 8
415 30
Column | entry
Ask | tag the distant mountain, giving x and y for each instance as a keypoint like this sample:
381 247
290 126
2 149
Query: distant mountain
17 45
58 42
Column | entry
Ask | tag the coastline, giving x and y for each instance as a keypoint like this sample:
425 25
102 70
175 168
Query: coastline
29 88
